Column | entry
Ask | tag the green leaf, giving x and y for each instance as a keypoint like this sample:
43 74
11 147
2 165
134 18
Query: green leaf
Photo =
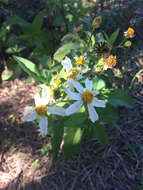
100 134
106 36
64 50
120 98
46 61
15 49
28 67
72 141
35 163
98 83
107 114
75 120
99 37
58 132
16 20
38 21
7 75
113 37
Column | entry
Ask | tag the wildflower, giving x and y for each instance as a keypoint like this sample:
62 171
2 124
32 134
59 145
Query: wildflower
128 44
86 96
110 62
72 73
80 60
56 81
40 109
100 65
129 33
96 22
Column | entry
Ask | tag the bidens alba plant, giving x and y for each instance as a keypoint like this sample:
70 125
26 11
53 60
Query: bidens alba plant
80 95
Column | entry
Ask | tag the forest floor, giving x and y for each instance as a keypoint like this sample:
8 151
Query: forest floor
25 159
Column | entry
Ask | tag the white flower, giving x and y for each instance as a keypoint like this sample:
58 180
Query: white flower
71 72
40 109
84 96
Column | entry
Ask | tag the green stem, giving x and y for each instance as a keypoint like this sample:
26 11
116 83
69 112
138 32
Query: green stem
63 14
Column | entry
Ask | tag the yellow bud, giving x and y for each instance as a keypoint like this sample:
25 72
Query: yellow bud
96 22
127 43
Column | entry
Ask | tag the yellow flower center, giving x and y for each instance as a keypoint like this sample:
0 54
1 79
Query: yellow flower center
40 110
129 33
56 82
80 61
87 96
73 74
111 61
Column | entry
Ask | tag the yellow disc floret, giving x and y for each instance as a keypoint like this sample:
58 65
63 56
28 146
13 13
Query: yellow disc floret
56 82
87 96
80 61
129 33
40 110
73 74
111 61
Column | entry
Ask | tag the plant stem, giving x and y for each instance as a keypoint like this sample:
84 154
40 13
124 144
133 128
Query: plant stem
63 14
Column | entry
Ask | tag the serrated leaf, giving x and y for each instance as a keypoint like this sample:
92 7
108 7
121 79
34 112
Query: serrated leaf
72 141
113 37
58 132
98 83
100 134
38 21
120 98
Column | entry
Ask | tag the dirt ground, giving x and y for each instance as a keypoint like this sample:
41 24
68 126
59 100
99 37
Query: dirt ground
23 166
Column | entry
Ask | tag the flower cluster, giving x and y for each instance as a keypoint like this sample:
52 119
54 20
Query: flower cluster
129 34
74 90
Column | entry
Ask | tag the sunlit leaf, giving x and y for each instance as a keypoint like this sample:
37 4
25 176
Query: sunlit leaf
72 141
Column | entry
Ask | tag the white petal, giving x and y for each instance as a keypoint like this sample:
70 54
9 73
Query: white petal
29 114
92 113
56 110
95 92
88 84
98 103
67 64
79 76
73 95
74 107
78 86
45 96
105 67
43 124
37 99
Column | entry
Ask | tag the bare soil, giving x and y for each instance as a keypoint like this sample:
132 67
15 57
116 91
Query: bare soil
118 168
